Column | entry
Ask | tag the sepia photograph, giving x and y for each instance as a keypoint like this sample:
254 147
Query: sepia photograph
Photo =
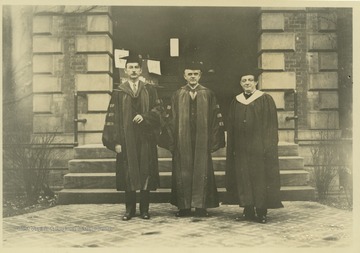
179 125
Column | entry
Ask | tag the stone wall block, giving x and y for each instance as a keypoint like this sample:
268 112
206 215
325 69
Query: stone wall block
328 61
328 100
93 82
95 122
277 41
98 102
323 119
99 62
94 43
46 123
278 98
283 123
272 61
277 80
47 44
323 80
43 64
46 83
323 41
42 24
327 22
99 23
42 103
272 21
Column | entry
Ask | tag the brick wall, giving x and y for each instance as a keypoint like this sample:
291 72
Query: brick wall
295 61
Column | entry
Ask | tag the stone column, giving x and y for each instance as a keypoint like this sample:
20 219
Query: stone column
96 82
322 59
277 79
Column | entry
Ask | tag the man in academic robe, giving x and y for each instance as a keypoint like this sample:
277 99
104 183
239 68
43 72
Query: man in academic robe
252 165
195 131
131 130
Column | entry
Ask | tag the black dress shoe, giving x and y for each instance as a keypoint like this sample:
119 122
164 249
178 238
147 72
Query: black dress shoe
201 212
145 216
262 219
127 216
183 213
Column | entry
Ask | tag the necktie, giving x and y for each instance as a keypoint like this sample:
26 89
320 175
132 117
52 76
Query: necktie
192 94
247 95
134 88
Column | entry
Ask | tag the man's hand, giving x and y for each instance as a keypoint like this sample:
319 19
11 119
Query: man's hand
138 119
118 148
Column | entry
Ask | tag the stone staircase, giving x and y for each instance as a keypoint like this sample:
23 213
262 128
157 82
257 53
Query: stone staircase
91 177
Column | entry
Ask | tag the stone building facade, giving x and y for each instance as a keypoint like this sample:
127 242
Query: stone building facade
71 48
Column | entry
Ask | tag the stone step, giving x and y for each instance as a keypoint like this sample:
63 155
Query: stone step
96 151
111 196
107 180
165 164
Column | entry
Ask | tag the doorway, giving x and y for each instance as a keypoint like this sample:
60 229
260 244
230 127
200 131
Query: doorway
223 38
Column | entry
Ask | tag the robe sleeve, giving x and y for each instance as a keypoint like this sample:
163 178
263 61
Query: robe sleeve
270 142
167 139
152 118
217 135
230 156
111 136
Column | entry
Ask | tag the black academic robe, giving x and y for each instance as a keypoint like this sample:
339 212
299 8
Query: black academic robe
195 130
252 165
137 164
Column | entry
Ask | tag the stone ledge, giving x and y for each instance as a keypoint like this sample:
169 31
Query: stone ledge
282 9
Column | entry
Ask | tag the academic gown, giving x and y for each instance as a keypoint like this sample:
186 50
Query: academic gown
137 164
252 165
194 131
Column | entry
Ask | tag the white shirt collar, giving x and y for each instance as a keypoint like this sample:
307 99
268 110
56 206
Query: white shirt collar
193 88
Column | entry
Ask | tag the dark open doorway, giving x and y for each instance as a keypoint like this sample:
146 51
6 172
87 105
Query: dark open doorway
223 38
